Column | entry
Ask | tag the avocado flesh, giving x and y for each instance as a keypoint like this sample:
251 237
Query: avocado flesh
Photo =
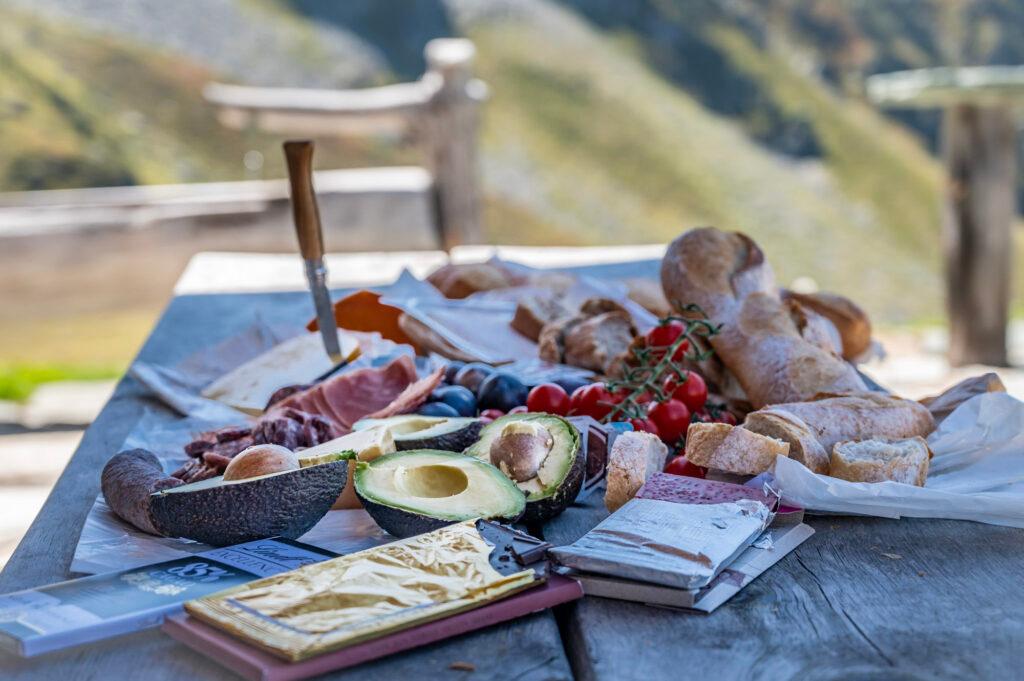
411 492
413 431
559 477
221 513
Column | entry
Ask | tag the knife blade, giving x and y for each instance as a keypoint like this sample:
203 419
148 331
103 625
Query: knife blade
306 213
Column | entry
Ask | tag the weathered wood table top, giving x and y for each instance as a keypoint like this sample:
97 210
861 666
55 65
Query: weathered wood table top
862 598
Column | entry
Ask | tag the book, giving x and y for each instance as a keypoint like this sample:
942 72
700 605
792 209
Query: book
77 611
252 663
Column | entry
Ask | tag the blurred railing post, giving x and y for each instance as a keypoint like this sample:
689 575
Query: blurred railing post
450 134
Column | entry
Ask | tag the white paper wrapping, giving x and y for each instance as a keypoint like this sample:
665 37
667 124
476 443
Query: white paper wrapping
977 473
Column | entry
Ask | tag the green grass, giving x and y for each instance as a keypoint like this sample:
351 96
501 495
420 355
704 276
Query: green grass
18 381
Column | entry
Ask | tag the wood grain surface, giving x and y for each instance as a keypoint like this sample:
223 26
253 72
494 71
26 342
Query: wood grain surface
864 598
528 648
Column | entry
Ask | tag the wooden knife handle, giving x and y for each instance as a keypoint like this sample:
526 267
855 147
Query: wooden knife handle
299 155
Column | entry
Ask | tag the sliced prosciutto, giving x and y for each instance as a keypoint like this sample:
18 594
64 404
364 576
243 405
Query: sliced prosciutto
372 391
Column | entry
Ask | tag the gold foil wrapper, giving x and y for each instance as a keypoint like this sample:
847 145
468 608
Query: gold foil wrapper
340 602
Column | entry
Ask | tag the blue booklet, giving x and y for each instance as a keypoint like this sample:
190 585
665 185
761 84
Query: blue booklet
101 606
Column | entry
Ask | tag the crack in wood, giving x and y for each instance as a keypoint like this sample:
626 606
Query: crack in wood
846 616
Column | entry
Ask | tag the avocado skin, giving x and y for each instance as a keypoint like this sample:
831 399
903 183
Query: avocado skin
400 523
285 505
548 507
455 441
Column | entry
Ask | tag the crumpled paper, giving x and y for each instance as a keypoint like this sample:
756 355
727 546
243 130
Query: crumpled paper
977 473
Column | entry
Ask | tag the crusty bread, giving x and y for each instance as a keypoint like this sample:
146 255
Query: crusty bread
813 428
465 279
634 458
647 294
946 403
851 321
903 461
760 342
534 312
732 449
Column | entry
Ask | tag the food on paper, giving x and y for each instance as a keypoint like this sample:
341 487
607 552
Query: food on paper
297 360
261 460
408 493
463 280
128 480
211 452
849 320
591 339
727 276
415 431
372 392
533 313
222 512
812 429
633 459
501 390
369 594
363 311
904 461
462 400
943 405
367 444
648 294
545 445
732 449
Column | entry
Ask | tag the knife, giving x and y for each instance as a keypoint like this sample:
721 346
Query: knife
299 155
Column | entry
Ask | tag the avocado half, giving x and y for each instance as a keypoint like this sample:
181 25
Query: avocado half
414 431
559 476
408 493
219 512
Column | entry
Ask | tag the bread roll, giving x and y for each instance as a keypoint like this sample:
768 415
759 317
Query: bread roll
732 449
904 461
727 276
813 428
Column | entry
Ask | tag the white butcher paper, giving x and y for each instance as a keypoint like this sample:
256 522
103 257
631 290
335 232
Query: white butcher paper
977 473
664 542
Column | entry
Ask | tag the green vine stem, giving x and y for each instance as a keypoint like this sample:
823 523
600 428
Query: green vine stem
656 364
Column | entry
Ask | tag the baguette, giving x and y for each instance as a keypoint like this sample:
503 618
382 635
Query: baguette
732 449
813 428
904 461
760 341
849 319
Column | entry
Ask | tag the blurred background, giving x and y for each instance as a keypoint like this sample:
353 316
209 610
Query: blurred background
603 123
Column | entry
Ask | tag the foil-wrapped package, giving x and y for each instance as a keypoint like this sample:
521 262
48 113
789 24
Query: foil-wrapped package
663 542
330 605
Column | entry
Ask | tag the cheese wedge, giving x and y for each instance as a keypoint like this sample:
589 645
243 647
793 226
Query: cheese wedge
296 361
367 444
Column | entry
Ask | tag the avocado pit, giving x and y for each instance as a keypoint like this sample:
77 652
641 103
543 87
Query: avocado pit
259 460
520 449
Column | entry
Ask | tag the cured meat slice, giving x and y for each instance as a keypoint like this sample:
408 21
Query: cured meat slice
349 397
412 397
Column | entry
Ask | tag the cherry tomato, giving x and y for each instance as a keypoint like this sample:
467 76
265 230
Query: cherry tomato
592 400
521 409
702 416
693 392
672 419
665 335
491 414
680 466
645 426
549 398
726 416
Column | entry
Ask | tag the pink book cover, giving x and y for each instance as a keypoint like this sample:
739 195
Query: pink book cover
258 665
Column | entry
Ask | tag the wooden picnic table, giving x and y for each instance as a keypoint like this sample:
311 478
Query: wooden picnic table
863 598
